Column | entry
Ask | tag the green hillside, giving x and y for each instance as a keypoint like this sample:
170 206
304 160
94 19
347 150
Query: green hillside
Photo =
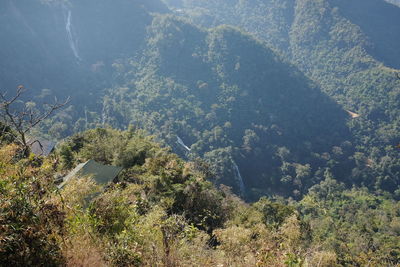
200 133
230 98
240 103
162 211
345 48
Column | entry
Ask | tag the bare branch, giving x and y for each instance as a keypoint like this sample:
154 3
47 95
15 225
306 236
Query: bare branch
20 90
26 119
34 121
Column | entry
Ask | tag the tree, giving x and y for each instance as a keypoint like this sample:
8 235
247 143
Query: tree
23 120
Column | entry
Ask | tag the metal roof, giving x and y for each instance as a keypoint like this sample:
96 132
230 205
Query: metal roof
41 147
101 174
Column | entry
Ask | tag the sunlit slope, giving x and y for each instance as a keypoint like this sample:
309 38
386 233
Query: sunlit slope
380 22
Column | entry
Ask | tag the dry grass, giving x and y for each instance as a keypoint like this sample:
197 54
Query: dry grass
81 252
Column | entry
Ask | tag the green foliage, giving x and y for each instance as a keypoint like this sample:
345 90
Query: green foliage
110 212
30 225
234 100
229 91
164 212
274 213
6 137
339 46
358 226
66 157
166 178
108 146
229 106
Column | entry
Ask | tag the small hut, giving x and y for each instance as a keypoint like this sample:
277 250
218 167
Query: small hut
41 147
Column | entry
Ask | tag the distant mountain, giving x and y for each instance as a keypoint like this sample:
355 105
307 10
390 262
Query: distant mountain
309 93
349 48
234 102
292 105
69 45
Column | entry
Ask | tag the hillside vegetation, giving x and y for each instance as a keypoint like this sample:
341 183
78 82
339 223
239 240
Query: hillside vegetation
348 48
163 212
249 132
232 100
240 103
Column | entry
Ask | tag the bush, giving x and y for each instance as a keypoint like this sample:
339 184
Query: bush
30 225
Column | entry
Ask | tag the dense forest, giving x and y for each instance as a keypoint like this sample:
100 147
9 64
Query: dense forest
350 55
162 211
249 132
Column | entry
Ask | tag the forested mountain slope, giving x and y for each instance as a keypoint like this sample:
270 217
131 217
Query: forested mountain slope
233 101
379 21
347 47
278 146
162 211
220 93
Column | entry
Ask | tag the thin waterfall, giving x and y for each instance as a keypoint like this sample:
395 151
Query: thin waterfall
179 141
239 179
70 36
103 115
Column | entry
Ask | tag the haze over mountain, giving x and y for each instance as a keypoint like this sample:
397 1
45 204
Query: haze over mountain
232 100
69 45
335 43
237 102
348 48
